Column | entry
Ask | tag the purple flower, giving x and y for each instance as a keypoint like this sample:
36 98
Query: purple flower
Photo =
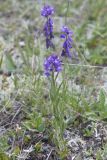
47 11
67 45
52 64
66 31
48 32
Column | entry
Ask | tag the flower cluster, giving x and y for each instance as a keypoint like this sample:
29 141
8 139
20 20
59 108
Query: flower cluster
52 64
67 45
48 32
47 11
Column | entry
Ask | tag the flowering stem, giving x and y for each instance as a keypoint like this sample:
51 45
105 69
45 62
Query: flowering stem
53 95
67 12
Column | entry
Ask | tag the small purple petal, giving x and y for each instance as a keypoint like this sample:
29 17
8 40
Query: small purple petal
62 36
47 74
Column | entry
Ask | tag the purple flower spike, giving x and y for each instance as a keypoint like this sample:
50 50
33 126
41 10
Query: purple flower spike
66 31
52 64
67 45
48 32
47 11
